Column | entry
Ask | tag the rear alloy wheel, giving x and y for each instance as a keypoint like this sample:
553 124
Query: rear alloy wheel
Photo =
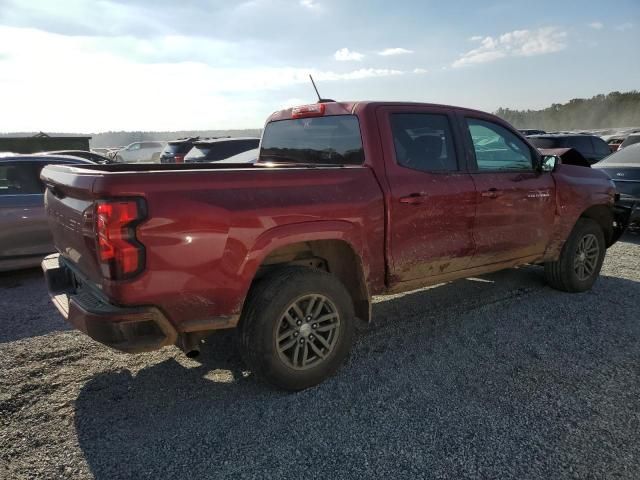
581 258
307 333
297 327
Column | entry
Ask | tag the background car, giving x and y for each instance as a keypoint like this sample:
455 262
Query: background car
101 151
175 150
140 152
220 148
24 232
250 156
590 147
624 169
630 140
94 157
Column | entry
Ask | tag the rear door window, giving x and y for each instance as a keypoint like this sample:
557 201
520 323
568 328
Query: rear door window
424 142
20 179
330 140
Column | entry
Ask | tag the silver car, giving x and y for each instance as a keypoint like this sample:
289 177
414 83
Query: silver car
140 152
24 233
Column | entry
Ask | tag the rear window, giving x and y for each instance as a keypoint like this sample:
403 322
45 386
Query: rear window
173 148
211 152
582 144
544 142
331 140
628 156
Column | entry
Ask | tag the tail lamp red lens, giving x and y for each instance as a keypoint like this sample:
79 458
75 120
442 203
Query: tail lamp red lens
178 158
119 252
303 111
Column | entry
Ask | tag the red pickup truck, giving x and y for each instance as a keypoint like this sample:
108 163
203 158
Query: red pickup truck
347 200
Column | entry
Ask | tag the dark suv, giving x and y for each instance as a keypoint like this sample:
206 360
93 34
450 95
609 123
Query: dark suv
592 148
212 150
176 150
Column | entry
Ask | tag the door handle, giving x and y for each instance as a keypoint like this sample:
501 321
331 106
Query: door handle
414 199
491 193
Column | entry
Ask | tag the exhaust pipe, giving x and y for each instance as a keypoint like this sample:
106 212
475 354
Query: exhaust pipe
189 343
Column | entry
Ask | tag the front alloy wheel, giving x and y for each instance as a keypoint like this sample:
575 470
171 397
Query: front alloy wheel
586 257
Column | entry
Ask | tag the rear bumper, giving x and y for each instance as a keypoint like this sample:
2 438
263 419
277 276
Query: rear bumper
128 329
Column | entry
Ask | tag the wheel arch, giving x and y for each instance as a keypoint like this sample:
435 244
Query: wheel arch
334 246
603 216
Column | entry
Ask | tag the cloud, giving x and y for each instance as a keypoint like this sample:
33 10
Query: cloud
132 95
420 70
623 27
387 52
311 4
346 55
519 43
596 25
358 74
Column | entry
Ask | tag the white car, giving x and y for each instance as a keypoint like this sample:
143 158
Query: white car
140 152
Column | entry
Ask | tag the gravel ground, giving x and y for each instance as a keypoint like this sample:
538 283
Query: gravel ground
497 377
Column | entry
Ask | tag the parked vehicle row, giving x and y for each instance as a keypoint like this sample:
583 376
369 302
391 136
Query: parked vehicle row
347 200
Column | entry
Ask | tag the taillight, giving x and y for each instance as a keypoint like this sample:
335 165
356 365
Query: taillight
313 110
119 252
179 158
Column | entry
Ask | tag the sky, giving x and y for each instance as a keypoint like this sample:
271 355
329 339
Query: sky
99 65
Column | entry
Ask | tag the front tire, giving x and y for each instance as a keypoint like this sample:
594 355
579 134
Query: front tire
297 327
581 259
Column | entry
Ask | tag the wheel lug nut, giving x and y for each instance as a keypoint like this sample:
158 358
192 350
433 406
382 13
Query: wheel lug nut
299 322
295 334
315 325
308 318
310 337
302 340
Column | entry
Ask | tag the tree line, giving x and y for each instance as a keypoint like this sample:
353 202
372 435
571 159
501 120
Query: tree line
613 110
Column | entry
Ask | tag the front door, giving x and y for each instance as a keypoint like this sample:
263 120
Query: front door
516 202
432 203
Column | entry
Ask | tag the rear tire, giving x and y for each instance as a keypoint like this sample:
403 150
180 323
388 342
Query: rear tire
297 327
581 259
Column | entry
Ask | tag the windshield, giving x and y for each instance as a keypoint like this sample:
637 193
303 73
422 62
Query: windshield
333 140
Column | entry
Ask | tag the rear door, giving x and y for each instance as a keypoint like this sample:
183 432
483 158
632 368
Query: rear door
515 202
432 203
24 231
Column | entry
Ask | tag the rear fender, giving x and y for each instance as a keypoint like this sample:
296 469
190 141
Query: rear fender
283 236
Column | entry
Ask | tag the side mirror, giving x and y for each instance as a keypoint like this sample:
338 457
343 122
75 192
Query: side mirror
549 163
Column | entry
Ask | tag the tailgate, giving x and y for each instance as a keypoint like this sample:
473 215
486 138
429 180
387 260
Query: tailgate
69 204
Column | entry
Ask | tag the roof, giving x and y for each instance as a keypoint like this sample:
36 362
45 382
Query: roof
224 139
44 158
562 135
351 107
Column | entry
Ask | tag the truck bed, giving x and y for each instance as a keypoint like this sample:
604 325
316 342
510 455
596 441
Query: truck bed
207 226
